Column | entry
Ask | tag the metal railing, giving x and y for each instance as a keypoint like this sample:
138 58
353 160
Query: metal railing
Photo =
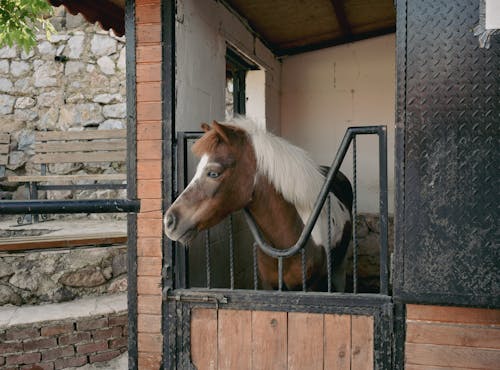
323 197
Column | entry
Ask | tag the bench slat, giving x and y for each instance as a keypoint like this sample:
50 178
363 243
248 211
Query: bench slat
86 157
40 178
53 147
80 135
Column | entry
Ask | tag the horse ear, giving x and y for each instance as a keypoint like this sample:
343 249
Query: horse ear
205 127
221 131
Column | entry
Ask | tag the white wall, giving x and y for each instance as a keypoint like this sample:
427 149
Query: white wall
203 29
324 92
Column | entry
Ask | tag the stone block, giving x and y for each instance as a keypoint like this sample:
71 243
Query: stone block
4 66
115 110
102 45
75 45
8 52
6 104
5 85
48 120
25 102
121 63
51 98
45 74
107 98
86 277
80 114
112 124
26 114
9 296
47 49
106 65
73 67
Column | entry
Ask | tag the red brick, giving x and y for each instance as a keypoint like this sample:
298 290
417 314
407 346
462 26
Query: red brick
149 323
149 304
64 363
149 285
105 356
39 343
149 360
149 150
149 189
92 347
25 333
56 353
149 266
149 227
149 111
25 358
74 338
2 360
48 331
149 247
147 53
42 366
148 33
147 13
107 333
10 347
118 320
118 343
149 131
148 169
149 342
92 324
150 89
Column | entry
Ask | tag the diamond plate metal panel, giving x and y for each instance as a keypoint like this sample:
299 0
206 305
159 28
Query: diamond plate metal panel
449 119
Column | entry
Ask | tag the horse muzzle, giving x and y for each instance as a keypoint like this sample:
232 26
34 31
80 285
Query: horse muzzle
177 230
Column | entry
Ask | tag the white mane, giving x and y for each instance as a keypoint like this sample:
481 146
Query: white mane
289 168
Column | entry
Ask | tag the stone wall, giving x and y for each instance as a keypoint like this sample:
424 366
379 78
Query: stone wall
74 81
57 276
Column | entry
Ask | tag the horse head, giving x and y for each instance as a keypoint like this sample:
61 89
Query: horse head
223 182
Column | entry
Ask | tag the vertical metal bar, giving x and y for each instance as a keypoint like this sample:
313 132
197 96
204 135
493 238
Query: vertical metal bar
231 252
329 254
255 278
303 262
280 273
384 253
354 219
207 258
34 196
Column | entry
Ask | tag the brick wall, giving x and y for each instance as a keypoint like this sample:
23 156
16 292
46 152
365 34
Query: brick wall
149 182
63 344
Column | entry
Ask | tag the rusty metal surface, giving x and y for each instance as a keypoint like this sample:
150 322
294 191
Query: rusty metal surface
449 119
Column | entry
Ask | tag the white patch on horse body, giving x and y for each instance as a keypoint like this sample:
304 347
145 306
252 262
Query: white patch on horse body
295 175
200 169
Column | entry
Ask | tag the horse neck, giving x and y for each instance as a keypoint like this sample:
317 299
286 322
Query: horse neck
278 219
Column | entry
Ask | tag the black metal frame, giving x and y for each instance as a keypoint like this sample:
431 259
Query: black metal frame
430 110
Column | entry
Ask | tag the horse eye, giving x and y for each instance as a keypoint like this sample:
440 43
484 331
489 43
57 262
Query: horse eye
213 174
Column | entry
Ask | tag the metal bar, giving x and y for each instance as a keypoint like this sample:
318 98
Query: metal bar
384 248
231 252
303 257
255 273
280 273
82 186
329 253
354 219
34 196
306 232
15 207
207 258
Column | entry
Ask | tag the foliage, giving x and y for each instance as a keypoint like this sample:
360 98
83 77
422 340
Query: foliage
21 20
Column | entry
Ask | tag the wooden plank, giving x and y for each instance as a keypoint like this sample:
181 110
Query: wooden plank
269 340
44 242
462 315
55 178
234 340
80 135
451 356
362 342
305 341
457 335
204 338
4 160
80 146
4 148
4 138
337 342
427 367
118 156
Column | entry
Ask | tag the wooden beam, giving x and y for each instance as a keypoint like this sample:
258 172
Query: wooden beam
338 6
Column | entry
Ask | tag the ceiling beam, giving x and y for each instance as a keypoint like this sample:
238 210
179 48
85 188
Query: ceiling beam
345 27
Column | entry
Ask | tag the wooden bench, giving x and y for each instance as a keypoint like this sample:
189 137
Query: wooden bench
4 152
93 146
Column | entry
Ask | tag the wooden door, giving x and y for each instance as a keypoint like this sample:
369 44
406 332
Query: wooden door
227 339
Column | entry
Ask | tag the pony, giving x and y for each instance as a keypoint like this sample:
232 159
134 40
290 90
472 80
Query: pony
244 166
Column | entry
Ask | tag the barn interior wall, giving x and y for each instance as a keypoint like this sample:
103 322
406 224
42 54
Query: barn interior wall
324 92
203 30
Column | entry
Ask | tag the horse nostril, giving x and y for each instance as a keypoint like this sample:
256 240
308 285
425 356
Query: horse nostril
170 221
